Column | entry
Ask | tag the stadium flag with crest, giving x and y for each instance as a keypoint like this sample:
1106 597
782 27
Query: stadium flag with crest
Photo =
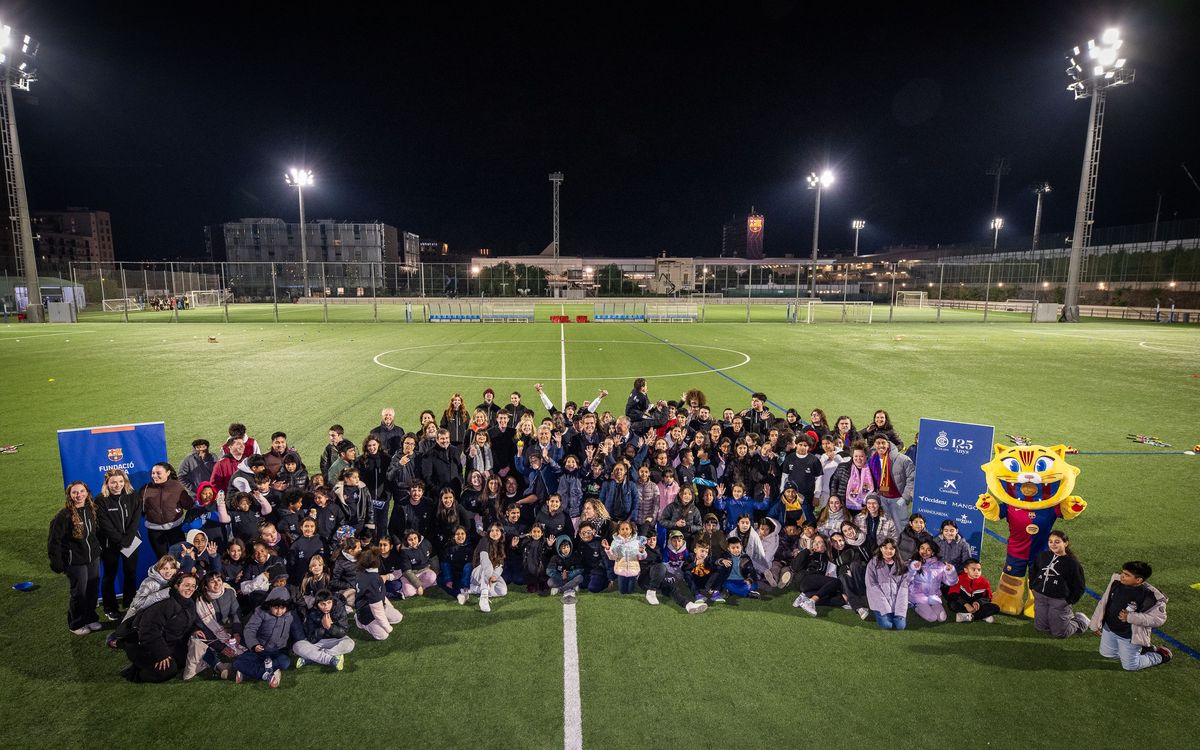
88 452
949 477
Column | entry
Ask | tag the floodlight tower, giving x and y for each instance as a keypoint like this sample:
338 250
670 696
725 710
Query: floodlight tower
300 179
18 66
997 223
1041 189
817 182
1093 71
556 178
857 225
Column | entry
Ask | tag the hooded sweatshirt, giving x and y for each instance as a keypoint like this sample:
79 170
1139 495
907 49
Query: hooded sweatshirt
271 632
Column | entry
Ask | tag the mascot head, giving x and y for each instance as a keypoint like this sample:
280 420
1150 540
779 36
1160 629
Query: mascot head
1030 476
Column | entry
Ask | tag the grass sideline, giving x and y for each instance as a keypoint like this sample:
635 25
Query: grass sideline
744 673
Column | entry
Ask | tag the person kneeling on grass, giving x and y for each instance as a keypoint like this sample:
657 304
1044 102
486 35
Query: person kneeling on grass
1057 582
372 610
887 587
1125 615
971 597
326 633
267 635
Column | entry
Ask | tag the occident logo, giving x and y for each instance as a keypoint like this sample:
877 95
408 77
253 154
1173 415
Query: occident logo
115 454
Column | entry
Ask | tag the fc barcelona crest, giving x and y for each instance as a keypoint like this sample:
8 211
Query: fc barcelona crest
115 454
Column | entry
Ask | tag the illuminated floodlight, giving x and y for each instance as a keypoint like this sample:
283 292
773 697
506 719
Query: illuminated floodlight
299 177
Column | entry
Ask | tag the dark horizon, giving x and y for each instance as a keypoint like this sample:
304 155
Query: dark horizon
665 123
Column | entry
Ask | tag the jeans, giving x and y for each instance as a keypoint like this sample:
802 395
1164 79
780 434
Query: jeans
453 584
1113 646
253 664
565 581
739 587
890 621
626 584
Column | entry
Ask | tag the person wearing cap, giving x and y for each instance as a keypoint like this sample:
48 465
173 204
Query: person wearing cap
489 405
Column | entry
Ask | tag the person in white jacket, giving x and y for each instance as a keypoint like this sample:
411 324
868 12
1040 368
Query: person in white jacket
1129 610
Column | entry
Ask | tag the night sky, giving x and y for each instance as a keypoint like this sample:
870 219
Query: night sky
665 123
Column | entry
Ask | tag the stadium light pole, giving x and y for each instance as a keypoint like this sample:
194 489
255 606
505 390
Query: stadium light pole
858 225
300 179
1041 189
996 224
817 182
18 66
1094 69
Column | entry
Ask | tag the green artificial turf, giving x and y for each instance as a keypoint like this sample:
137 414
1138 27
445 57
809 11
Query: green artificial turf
748 673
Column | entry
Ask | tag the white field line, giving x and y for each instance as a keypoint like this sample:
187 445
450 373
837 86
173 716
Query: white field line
40 335
562 347
572 713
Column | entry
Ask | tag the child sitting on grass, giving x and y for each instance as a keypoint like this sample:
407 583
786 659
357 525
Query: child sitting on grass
971 597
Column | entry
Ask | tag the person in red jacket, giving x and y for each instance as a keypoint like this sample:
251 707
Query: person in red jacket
971 597
235 451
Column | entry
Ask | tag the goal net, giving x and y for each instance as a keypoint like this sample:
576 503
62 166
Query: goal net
816 311
207 298
121 304
912 299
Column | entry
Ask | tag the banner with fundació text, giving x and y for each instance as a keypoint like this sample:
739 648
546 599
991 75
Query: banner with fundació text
949 480
86 453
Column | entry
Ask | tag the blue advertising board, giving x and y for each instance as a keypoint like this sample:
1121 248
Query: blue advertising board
88 452
949 479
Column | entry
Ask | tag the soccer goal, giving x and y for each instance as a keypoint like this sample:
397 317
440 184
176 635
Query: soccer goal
912 299
121 304
207 298
818 311
506 312
672 312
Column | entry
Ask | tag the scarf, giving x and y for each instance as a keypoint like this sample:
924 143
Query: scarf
860 485
792 504
882 466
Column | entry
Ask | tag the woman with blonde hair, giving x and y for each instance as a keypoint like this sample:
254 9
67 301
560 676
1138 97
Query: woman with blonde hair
118 511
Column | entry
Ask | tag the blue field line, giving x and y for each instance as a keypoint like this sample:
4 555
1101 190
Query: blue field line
738 383
1135 453
1180 645
1169 639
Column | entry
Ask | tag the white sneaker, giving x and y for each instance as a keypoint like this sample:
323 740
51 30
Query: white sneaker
652 597
863 612
989 619
771 579
82 631
276 676
1084 621
799 600
462 597
963 617
809 606
695 608
94 626
847 606
785 578
484 604
553 591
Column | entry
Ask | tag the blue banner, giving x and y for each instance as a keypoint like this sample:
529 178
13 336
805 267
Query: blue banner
949 479
88 452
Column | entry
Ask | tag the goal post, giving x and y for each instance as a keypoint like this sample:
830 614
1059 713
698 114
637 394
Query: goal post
912 299
121 304
817 311
207 298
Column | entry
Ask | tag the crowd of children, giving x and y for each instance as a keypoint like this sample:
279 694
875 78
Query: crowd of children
263 558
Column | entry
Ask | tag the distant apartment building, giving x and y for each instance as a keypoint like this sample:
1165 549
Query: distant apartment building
343 257
742 237
76 235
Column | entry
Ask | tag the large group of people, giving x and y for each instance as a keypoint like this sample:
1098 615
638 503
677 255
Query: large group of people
264 561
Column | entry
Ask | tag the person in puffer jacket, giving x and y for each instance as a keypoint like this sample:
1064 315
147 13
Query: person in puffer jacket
565 570
269 632
626 550
887 587
929 574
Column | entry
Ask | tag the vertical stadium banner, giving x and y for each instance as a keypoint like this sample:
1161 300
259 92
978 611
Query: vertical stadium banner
949 479
88 452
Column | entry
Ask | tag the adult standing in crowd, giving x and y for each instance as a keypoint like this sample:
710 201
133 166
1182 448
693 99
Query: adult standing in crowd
389 434
74 551
164 501
118 511
893 474
197 467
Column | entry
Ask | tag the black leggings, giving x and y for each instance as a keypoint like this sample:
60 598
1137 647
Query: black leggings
115 562
824 589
